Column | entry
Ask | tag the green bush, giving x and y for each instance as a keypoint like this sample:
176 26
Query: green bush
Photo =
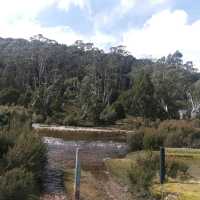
6 142
173 168
186 137
71 120
4 119
22 156
143 171
56 118
153 141
28 152
109 117
38 118
9 96
113 113
135 141
194 139
15 117
17 184
170 133
119 110
175 139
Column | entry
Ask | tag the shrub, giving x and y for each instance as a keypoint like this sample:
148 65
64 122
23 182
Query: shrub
16 117
119 110
9 96
17 184
143 171
71 120
169 133
194 139
135 141
6 142
56 118
174 167
113 113
168 126
109 117
175 139
29 152
4 119
38 118
184 137
152 139
22 156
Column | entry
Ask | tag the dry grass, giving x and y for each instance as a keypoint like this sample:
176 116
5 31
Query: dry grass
83 135
188 189
119 168
96 185
90 186
182 191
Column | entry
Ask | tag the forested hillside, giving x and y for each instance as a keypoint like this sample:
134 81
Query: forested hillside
80 83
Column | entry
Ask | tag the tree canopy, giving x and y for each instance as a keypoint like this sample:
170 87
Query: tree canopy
58 82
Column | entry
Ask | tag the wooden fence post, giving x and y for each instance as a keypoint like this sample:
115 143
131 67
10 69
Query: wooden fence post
162 165
77 176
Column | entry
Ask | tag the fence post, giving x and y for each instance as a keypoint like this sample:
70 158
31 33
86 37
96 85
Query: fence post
162 165
77 176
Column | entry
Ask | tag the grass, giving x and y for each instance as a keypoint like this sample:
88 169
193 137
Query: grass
183 191
119 168
184 152
188 189
82 135
90 187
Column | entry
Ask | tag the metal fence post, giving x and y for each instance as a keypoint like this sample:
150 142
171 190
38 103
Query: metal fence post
162 165
77 176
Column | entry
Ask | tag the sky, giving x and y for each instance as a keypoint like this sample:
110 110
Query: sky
148 28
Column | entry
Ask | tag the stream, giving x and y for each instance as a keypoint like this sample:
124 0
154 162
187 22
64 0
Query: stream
61 155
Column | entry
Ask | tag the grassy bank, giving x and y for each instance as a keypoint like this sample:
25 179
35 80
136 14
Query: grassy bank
187 188
83 134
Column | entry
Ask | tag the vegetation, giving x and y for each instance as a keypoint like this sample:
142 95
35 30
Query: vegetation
22 156
188 186
80 84
140 171
84 134
170 133
143 171
45 82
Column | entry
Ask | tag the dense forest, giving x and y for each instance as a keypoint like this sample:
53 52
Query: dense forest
81 84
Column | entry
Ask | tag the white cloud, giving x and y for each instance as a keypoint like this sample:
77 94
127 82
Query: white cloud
65 4
102 40
26 29
109 17
126 5
158 1
22 23
12 10
163 33
18 19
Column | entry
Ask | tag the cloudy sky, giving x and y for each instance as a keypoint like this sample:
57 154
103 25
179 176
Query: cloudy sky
146 27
